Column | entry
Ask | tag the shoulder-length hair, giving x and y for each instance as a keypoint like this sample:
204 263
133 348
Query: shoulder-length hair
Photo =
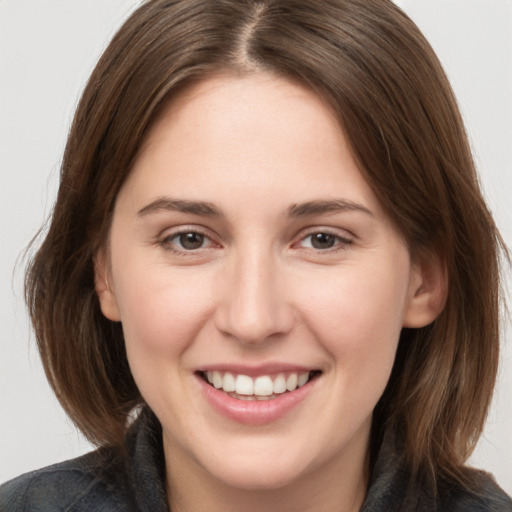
369 62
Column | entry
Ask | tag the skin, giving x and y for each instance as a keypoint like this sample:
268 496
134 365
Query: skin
257 290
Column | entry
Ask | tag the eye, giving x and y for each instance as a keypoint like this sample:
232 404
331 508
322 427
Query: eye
324 241
186 241
190 241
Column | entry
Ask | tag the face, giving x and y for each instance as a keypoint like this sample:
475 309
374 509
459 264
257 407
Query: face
260 286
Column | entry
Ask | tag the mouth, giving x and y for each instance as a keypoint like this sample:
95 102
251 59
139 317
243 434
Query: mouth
262 387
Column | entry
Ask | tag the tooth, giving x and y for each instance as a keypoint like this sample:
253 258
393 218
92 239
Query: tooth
280 384
244 385
291 382
228 383
209 377
303 378
217 380
263 386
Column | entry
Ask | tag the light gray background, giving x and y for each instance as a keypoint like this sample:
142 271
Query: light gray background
49 47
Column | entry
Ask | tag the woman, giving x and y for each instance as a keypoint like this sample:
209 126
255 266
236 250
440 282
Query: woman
270 281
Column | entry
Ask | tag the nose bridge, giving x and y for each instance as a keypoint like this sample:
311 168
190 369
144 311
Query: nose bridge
254 306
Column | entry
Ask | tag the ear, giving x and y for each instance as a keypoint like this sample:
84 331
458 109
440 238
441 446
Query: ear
428 290
103 286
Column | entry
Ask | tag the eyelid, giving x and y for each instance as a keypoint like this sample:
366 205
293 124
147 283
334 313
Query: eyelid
344 240
165 236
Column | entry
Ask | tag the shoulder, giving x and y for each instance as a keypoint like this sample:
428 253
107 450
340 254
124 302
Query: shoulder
110 479
392 488
487 497
91 482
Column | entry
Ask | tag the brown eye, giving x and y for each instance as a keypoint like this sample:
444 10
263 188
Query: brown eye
190 241
323 240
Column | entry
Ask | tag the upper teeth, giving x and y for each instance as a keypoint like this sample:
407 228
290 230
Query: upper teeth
263 385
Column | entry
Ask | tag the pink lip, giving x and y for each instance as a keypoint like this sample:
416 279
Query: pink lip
254 412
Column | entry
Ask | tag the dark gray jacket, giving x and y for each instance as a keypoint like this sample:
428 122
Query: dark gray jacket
102 481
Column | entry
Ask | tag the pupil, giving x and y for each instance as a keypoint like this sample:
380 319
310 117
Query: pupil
322 241
191 241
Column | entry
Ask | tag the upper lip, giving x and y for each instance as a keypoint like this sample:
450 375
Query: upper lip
256 370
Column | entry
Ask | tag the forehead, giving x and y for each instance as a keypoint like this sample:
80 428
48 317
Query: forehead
257 100
259 134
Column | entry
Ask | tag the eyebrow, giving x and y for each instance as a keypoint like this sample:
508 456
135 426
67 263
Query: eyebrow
164 204
320 207
206 209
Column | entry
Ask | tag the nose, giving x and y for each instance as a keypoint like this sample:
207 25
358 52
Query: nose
253 305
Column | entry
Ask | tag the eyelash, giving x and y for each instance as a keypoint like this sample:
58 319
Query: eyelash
341 243
167 242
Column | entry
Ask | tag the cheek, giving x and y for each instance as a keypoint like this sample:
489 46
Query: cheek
161 311
357 316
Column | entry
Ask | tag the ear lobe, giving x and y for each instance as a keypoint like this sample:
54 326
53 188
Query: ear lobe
106 296
427 292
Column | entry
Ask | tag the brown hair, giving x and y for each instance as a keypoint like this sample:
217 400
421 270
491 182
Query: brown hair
374 68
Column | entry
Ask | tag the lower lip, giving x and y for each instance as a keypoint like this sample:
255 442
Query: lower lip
254 412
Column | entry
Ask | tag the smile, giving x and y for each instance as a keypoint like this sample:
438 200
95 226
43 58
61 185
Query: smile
260 398
262 387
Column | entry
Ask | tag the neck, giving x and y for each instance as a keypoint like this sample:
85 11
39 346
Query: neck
339 485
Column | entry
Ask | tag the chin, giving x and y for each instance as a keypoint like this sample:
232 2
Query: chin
258 480
251 473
